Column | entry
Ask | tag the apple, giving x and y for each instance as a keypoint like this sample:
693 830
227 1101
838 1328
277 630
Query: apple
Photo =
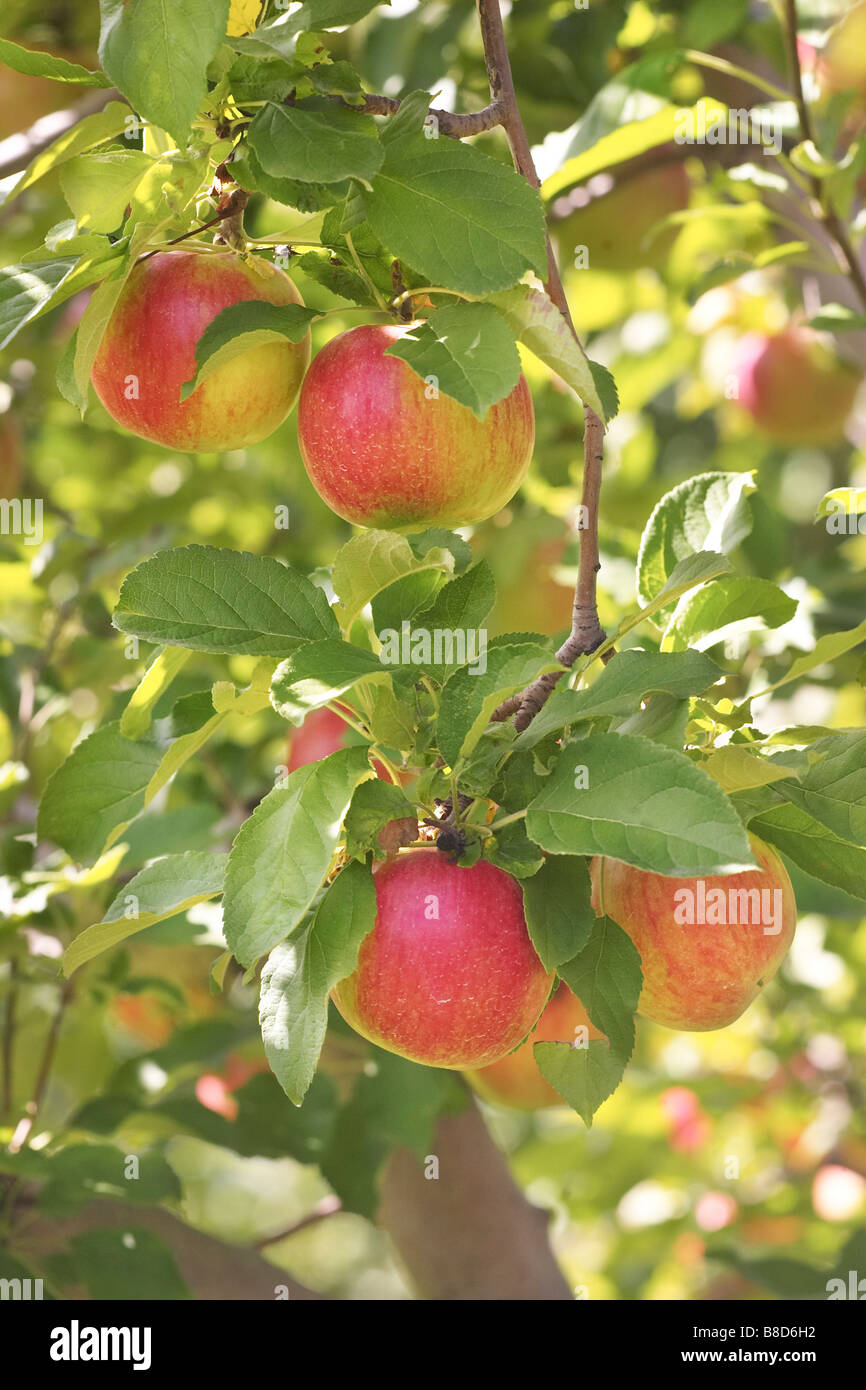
615 226
385 449
794 387
148 352
516 1080
215 1089
701 976
323 732
448 976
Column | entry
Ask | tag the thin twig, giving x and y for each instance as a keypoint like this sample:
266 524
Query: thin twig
328 1206
9 1042
586 632
849 259
454 123
24 1129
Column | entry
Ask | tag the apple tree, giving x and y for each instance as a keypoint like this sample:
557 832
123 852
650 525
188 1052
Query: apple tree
432 447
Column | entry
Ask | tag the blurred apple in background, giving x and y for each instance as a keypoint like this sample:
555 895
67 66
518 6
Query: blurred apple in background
795 387
215 1089
615 225
515 1080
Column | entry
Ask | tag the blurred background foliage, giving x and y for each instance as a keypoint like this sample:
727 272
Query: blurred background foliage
750 1141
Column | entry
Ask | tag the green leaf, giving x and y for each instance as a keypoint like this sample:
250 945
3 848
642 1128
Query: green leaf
25 290
222 601
620 686
374 804
438 206
512 850
790 1279
368 563
316 674
707 512
92 130
281 854
736 770
471 695
606 977
126 1262
34 64
315 141
156 53
622 122
837 318
814 848
396 1106
833 788
558 911
91 328
243 326
169 886
663 719
300 974
630 799
583 1076
826 649
96 792
180 752
688 574
99 186
727 606
469 349
461 606
536 322
165 665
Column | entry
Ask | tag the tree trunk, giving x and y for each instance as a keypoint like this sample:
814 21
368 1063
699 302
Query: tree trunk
468 1233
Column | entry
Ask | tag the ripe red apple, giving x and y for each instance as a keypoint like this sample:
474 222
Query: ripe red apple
384 449
616 226
148 352
323 732
515 1080
701 975
794 387
448 976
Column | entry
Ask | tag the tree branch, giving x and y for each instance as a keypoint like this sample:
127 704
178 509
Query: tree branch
468 1234
848 258
586 631
453 123
212 1269
17 151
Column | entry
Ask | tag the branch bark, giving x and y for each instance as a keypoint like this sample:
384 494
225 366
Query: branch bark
17 151
212 1269
586 631
468 1234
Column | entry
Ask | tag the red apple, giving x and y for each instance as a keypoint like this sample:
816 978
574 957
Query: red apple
10 456
448 976
794 387
323 732
384 449
702 974
515 1080
148 352
215 1089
